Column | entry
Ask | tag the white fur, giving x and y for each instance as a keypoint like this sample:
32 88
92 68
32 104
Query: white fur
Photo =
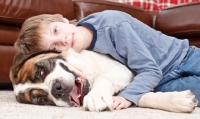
107 77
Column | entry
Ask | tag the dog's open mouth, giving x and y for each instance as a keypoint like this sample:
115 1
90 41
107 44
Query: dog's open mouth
80 89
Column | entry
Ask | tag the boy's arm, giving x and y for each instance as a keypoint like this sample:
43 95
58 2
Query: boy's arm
139 60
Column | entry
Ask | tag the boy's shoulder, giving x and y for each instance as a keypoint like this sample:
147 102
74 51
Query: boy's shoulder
110 14
107 17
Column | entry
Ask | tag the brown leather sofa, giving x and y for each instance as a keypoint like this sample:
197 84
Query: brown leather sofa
182 21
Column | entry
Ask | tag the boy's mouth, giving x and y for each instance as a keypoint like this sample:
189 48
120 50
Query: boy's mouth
72 41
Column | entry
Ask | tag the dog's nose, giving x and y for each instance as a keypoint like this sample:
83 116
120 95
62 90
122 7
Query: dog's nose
56 90
60 89
58 86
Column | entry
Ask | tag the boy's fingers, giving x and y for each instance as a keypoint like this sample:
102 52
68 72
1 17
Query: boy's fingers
120 103
120 106
115 103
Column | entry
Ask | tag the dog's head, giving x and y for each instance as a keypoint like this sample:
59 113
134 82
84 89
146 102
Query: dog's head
46 78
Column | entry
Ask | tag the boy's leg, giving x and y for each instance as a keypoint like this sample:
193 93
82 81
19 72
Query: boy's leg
191 83
185 77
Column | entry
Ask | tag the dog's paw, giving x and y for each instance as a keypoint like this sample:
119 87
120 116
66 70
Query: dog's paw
98 100
183 101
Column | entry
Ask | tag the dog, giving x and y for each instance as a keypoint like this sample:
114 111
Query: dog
87 79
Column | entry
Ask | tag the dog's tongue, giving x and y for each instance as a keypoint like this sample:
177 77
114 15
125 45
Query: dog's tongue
77 93
74 96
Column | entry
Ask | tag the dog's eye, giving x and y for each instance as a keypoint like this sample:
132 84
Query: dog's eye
39 97
41 100
42 72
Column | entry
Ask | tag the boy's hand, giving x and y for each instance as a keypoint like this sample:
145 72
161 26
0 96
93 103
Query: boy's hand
120 103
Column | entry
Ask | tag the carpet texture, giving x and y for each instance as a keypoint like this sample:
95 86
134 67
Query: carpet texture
11 109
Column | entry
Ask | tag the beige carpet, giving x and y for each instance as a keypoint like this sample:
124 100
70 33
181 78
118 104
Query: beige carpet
11 109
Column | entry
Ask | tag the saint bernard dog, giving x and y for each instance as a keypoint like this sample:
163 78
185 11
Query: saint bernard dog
87 79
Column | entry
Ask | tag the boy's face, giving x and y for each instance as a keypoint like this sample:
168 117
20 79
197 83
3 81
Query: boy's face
62 36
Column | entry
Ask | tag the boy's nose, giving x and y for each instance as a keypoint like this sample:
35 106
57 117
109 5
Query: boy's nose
64 41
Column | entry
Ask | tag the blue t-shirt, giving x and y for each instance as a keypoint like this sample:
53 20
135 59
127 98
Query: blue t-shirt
148 53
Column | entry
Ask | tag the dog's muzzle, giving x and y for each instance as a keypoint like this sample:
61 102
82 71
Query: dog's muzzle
72 94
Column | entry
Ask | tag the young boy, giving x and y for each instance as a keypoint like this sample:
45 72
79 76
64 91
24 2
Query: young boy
160 62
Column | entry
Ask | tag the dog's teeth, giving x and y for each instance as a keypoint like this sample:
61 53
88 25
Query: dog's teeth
79 96
79 80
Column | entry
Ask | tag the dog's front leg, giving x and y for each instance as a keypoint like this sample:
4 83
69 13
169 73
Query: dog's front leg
100 96
183 101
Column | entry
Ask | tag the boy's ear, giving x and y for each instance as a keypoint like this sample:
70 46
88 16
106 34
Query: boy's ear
66 20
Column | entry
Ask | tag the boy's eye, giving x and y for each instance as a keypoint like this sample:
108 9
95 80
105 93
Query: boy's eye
54 47
55 30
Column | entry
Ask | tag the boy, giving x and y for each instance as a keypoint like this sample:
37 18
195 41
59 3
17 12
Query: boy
160 62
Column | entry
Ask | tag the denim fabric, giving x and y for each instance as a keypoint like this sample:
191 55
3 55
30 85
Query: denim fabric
185 77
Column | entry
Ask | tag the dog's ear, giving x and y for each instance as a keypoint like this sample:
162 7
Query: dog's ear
18 62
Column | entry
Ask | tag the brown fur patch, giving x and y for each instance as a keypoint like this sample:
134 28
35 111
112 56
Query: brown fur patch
24 63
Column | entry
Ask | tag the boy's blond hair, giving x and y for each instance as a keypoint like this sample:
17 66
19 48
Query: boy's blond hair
29 39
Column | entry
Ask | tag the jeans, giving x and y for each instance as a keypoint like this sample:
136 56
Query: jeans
185 77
